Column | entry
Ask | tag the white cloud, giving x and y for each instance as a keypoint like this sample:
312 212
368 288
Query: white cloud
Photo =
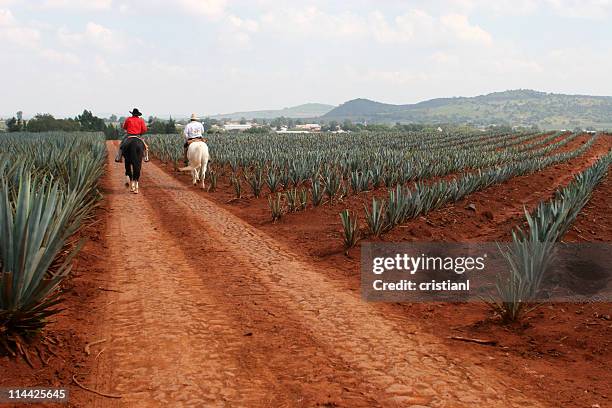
313 22
16 33
78 4
416 27
236 32
210 8
6 17
94 34
102 36
590 9
240 24
58 56
458 25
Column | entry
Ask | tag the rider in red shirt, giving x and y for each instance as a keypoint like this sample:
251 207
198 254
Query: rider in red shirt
134 126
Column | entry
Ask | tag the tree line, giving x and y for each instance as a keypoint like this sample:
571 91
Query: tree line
45 122
85 122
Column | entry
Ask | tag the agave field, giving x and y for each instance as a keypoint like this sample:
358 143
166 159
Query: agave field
298 172
420 172
48 188
212 276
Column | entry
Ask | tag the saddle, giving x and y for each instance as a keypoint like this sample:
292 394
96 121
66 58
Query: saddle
139 138
196 139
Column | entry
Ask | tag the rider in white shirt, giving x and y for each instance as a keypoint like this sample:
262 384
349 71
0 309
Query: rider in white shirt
193 130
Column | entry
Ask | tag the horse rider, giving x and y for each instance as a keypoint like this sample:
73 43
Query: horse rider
134 126
193 131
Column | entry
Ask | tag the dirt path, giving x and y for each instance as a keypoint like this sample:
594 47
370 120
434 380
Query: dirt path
212 312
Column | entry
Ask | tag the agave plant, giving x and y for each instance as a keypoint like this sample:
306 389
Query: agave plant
272 180
376 217
350 229
532 251
275 205
303 199
316 192
528 262
292 199
255 180
214 176
332 183
37 218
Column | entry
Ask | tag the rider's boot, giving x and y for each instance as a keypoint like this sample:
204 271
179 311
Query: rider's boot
119 156
146 155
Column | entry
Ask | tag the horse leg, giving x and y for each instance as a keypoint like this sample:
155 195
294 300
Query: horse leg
137 167
194 176
203 173
128 172
137 164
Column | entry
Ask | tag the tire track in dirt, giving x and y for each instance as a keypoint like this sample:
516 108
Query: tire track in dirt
405 367
165 344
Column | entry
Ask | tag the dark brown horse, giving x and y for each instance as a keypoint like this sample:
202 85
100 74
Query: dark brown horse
133 152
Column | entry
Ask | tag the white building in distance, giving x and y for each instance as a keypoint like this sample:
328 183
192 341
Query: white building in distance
311 127
237 126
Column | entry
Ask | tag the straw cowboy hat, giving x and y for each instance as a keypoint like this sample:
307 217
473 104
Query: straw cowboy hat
136 112
194 117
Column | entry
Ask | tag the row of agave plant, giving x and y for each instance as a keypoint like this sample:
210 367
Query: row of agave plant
532 251
310 161
48 188
304 155
332 184
405 203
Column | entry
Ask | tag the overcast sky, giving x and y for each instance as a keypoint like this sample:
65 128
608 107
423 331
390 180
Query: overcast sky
218 56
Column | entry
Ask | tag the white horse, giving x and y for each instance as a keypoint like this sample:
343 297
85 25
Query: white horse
198 157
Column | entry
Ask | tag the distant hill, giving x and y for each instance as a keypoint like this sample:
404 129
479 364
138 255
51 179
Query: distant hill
308 110
515 107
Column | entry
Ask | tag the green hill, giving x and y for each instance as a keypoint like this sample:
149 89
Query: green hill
308 110
516 107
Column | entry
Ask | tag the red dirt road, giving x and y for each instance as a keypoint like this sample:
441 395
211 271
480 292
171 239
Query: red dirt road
206 310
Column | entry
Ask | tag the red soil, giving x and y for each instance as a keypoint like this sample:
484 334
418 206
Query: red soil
564 349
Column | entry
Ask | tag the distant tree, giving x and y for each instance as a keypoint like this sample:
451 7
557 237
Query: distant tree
13 125
45 122
112 118
207 123
258 130
333 126
156 127
170 126
243 121
91 123
349 126
112 133
20 122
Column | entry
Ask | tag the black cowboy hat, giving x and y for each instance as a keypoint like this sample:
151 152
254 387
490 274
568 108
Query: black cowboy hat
136 112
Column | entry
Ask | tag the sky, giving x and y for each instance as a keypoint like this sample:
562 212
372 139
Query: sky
218 56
